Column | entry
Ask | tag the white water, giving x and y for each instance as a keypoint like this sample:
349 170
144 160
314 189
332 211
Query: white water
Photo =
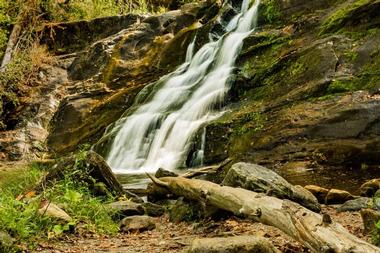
158 134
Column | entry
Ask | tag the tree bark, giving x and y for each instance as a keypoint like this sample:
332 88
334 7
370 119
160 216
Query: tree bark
305 226
13 38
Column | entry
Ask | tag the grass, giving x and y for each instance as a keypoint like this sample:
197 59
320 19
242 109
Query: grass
19 205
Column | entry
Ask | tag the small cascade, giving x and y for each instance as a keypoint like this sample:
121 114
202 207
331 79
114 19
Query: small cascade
158 133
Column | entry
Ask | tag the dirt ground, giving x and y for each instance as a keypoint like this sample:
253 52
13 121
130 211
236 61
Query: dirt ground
169 237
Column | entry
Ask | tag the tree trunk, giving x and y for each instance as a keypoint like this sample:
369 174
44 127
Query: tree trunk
13 38
305 226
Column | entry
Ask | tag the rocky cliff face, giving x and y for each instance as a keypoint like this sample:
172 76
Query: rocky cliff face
305 90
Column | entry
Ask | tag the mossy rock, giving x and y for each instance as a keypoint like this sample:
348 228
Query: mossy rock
362 14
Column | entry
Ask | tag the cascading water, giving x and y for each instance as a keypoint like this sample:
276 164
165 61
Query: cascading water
158 133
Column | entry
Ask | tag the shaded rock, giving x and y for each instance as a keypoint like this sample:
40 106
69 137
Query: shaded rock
185 211
69 37
335 196
260 179
370 187
236 244
164 173
370 218
127 208
52 210
83 117
355 204
319 192
376 200
153 210
137 223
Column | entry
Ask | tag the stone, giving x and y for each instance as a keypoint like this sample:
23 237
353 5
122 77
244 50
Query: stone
355 204
260 179
52 210
335 196
183 210
164 173
370 218
127 208
319 192
370 187
235 244
376 200
69 37
137 223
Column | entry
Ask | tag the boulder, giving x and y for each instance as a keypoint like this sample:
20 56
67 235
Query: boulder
335 196
235 244
260 179
355 204
129 208
370 187
370 218
376 200
137 223
69 37
319 192
164 173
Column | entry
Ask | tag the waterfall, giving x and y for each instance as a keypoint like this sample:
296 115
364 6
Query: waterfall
158 133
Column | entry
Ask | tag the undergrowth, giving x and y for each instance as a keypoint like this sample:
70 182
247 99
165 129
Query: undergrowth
19 204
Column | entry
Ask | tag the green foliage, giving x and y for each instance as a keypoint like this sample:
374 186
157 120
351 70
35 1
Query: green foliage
270 11
376 234
19 216
335 21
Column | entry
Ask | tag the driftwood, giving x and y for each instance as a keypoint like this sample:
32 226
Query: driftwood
206 170
309 228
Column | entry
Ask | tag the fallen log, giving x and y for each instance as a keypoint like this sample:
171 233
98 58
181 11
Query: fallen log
212 169
313 230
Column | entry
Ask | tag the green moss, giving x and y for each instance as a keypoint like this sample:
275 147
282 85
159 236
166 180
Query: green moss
339 86
335 21
252 121
351 55
270 12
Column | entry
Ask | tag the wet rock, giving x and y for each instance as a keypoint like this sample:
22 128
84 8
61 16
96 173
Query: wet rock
77 118
52 210
355 204
319 192
370 187
335 196
236 244
137 223
260 179
164 173
370 218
